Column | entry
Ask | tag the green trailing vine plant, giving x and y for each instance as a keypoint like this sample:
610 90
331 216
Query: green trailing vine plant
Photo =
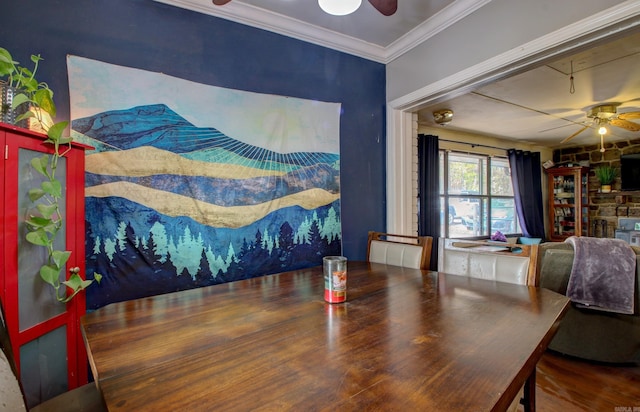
46 220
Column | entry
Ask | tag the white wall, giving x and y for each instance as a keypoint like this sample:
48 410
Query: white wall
447 134
498 27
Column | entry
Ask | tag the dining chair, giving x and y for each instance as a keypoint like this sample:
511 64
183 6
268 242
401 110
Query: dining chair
508 262
503 262
399 250
86 398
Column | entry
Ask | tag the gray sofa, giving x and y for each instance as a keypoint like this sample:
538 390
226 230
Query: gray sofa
587 333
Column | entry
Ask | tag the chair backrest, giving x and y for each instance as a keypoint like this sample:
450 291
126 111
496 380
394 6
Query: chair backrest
400 250
511 263
12 398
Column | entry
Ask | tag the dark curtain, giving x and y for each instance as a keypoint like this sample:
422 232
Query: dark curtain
428 192
526 178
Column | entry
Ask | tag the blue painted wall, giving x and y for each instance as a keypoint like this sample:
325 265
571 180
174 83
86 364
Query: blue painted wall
160 38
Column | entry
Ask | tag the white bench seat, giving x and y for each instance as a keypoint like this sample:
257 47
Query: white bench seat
509 263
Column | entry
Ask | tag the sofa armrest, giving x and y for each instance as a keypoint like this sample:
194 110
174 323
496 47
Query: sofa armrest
555 270
555 260
587 333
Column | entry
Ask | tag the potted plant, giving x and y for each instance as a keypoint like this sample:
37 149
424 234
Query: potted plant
23 96
45 220
606 174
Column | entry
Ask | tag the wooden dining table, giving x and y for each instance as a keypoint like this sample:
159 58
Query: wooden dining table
405 339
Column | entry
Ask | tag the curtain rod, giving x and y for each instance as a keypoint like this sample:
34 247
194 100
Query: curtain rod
475 144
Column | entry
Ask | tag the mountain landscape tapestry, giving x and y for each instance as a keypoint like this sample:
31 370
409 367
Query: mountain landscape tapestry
191 185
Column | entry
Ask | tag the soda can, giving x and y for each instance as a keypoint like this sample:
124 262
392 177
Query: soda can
335 278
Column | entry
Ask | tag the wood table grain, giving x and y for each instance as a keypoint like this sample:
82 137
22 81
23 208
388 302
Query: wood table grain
405 340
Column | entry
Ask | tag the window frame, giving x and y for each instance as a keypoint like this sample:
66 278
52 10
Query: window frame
485 199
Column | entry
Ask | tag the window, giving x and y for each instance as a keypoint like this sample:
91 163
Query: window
476 196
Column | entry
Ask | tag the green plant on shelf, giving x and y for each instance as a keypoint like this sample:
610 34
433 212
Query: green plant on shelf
606 174
45 222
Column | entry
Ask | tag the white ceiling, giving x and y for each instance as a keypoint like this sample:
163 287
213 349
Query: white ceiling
366 23
365 33
536 106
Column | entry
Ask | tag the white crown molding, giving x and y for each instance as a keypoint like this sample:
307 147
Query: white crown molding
446 17
601 25
277 23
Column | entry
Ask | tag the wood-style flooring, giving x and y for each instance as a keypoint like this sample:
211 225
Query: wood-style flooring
568 384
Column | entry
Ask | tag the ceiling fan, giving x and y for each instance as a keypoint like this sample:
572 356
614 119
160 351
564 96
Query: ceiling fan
386 7
607 114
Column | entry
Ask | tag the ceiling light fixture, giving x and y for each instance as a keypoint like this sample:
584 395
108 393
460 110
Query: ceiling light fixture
443 117
602 130
607 115
339 7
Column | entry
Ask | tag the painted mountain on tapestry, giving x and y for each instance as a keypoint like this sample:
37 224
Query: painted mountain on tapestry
172 206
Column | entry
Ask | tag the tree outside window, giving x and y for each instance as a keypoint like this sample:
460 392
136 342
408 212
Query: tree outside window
476 196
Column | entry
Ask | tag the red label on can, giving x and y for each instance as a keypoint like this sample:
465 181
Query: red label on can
336 287
335 296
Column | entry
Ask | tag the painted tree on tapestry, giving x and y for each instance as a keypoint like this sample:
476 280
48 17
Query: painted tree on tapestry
172 206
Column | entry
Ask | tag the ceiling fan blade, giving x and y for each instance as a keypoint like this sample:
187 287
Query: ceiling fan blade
386 7
574 135
629 115
625 124
220 2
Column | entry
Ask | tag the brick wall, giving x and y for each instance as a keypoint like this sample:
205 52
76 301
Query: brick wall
604 207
